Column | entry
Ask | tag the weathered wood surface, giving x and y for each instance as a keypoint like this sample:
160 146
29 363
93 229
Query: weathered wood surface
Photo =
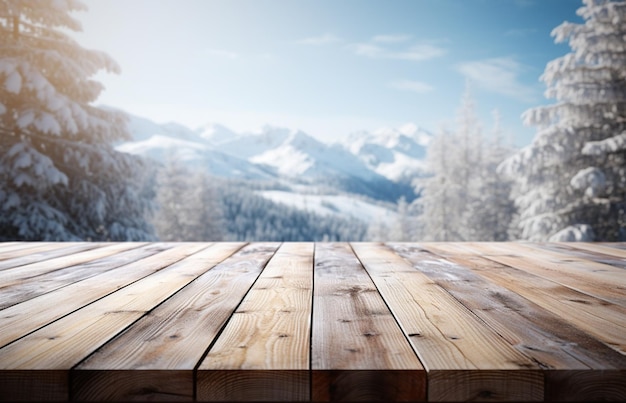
355 336
312 321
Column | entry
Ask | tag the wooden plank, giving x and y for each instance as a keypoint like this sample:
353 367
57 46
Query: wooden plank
358 351
155 357
22 273
9 247
570 250
607 249
61 345
616 245
263 352
35 286
595 279
40 253
573 360
20 249
23 318
601 319
465 359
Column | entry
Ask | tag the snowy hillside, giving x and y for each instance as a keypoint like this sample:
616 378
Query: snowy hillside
159 148
216 134
378 164
142 129
397 154
247 145
300 155
158 141
341 205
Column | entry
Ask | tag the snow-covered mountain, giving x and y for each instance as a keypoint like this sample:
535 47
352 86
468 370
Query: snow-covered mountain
192 147
326 205
215 133
397 154
379 164
298 155
248 145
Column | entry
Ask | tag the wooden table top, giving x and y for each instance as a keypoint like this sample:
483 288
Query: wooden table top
312 321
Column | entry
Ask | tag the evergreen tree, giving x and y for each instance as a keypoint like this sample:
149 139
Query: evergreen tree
467 167
209 222
171 216
439 192
447 196
250 217
572 178
188 205
491 209
464 198
60 178
406 226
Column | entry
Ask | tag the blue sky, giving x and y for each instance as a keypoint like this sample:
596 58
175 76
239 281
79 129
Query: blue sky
328 67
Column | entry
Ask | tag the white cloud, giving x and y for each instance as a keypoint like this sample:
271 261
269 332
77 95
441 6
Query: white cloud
419 52
319 40
390 38
499 75
413 86
369 50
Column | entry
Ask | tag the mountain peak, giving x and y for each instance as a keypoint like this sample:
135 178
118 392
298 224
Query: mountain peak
387 154
216 133
303 141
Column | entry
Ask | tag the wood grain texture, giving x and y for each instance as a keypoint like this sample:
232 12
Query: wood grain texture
368 386
612 249
353 332
276 316
23 318
118 385
22 273
454 345
601 319
259 385
64 343
595 279
35 286
33 386
301 321
525 325
485 386
16 245
593 255
31 252
173 337
586 386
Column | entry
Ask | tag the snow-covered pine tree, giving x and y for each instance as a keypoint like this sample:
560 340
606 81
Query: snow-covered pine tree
438 193
448 195
60 178
204 199
491 208
173 215
572 177
468 163
405 227
188 207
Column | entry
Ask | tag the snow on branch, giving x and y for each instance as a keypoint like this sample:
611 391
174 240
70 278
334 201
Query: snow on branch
606 146
592 180
574 233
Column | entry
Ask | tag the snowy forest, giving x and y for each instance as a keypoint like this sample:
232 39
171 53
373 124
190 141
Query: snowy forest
62 179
